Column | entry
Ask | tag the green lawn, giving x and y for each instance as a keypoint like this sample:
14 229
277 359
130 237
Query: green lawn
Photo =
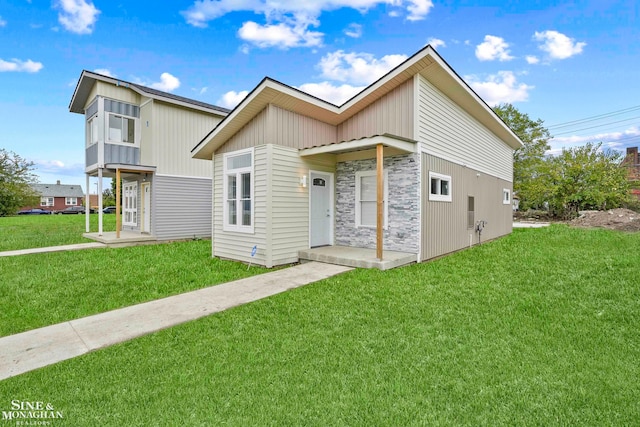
43 289
538 328
36 231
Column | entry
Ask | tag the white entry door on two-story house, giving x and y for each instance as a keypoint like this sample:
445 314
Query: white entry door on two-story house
321 209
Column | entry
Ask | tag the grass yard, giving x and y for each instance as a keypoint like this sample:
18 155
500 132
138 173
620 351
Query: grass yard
538 328
43 289
36 231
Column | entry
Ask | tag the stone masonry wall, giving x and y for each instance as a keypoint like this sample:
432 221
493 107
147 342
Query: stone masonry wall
402 234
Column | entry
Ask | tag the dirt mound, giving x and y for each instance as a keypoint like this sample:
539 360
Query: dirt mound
614 219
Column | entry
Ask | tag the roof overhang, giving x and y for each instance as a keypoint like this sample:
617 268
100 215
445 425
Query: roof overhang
426 62
400 144
88 79
110 169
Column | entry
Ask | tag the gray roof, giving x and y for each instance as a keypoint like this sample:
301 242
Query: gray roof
88 78
58 190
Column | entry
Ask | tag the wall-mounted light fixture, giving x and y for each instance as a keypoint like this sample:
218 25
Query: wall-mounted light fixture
303 181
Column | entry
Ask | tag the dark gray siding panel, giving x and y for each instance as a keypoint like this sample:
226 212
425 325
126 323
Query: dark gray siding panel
445 224
115 153
181 207
91 155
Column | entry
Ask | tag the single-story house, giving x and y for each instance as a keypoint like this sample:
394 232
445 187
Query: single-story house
142 137
56 197
415 163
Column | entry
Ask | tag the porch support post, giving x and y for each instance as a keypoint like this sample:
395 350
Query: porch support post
118 218
86 207
99 201
379 199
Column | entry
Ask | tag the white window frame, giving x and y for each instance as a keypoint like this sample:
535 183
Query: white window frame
71 201
130 203
437 197
237 173
46 201
358 200
506 196
92 130
136 130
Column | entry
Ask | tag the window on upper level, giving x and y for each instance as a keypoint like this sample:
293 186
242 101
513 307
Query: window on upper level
121 129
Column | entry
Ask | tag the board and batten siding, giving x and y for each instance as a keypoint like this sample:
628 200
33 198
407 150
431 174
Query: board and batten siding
180 207
392 114
275 125
176 130
445 224
236 245
111 91
447 131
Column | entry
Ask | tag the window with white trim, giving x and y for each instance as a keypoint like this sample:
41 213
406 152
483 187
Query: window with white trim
121 128
439 187
366 198
46 201
238 191
130 203
71 201
92 131
506 196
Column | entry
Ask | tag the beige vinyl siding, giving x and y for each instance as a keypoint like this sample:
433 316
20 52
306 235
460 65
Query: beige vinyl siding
392 114
275 125
175 131
444 224
147 147
447 131
235 245
119 93
92 96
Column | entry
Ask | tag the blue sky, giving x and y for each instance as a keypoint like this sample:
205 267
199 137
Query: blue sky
574 65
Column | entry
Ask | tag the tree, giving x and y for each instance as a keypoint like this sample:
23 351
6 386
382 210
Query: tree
585 177
528 161
16 177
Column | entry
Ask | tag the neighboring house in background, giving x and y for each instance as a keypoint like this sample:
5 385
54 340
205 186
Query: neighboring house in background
293 172
144 136
56 197
632 163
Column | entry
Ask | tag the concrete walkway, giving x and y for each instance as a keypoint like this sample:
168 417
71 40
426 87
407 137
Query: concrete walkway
63 248
525 224
34 349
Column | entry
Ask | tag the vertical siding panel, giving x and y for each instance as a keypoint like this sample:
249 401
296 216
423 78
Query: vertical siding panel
445 223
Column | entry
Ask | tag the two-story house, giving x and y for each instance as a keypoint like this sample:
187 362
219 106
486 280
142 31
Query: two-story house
142 138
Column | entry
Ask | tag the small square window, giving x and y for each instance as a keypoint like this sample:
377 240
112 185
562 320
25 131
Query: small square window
440 187
506 196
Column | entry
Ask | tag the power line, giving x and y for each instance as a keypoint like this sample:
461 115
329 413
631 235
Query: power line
596 126
595 118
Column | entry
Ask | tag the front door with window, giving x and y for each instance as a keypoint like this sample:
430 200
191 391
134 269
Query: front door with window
321 209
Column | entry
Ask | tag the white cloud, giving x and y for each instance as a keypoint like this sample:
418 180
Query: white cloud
493 48
558 45
353 30
104 72
58 168
614 140
287 22
167 83
337 95
280 35
531 59
27 66
436 43
3 23
77 16
500 88
357 68
232 98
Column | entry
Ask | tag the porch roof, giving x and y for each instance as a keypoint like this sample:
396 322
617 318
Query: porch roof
402 144
109 169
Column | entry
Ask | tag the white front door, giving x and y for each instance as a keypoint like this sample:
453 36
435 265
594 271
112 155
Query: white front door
146 207
321 221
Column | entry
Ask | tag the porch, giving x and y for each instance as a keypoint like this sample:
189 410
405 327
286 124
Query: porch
357 257
127 238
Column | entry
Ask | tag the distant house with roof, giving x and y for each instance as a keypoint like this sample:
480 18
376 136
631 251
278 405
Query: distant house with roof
55 197
632 163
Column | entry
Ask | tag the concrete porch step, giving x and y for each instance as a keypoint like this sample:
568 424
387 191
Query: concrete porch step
357 257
